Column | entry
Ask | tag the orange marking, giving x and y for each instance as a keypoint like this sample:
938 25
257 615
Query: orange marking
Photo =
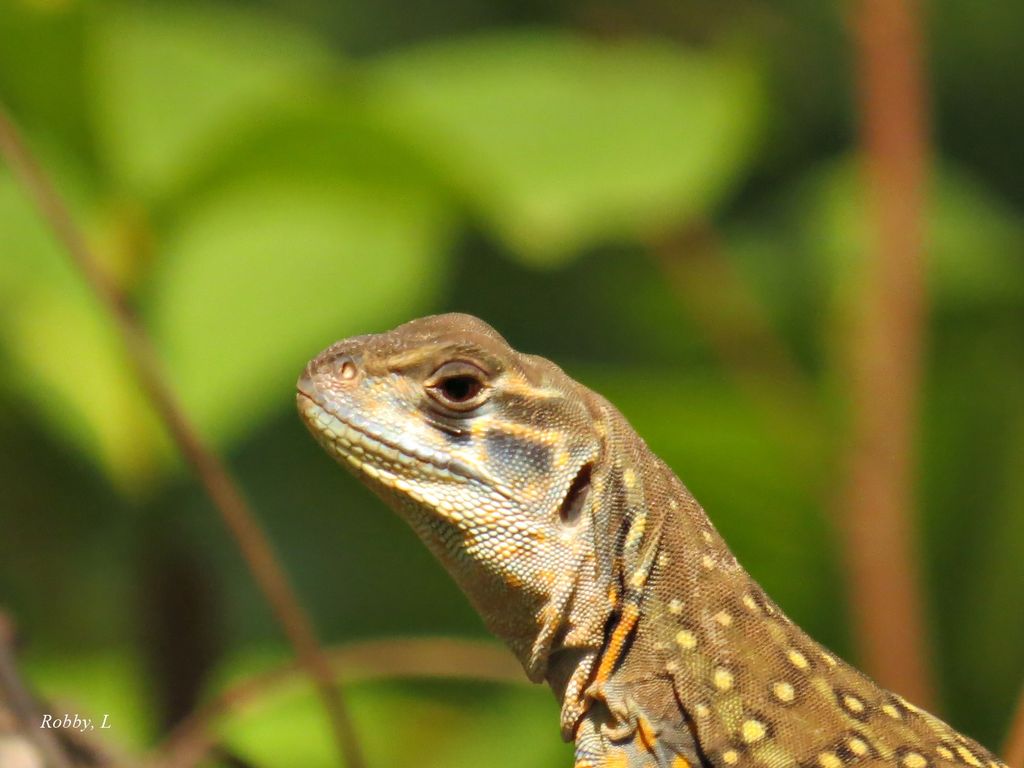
645 734
617 643
613 595
680 762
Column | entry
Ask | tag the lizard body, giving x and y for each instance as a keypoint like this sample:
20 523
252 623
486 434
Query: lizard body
584 552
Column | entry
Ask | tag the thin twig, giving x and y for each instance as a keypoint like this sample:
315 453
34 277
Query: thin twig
473 660
1013 750
22 705
885 350
220 486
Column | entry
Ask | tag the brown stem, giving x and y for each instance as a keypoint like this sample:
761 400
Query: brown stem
1013 750
885 351
194 737
14 695
220 486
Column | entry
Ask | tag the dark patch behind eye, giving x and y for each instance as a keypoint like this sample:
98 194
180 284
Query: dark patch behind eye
525 455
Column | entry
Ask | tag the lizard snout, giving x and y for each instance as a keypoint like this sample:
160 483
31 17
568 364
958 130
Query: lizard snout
328 371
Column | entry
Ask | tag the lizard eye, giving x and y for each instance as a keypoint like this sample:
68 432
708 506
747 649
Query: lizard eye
460 386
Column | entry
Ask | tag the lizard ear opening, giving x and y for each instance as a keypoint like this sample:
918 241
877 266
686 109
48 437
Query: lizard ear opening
572 505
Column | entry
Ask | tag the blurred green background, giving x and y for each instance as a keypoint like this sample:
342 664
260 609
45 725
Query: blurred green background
264 178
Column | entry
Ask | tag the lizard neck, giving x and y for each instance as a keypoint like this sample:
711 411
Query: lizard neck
712 670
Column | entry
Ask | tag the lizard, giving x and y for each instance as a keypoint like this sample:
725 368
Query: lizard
588 557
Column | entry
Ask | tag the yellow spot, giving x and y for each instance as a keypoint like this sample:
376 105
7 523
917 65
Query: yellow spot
680 762
829 659
629 477
752 730
891 711
944 753
829 760
636 530
707 562
799 661
675 607
722 679
783 691
748 601
671 666
638 579
673 503
731 757
858 747
914 760
968 756
853 704
706 535
702 710
723 618
686 639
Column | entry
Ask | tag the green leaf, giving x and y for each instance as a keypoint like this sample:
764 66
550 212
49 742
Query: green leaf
61 351
313 226
325 133
559 142
972 240
67 360
173 83
262 275
804 251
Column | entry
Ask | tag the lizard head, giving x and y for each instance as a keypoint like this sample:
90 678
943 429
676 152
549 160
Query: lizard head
487 453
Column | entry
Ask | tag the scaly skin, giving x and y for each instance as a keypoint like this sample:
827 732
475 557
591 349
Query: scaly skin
586 555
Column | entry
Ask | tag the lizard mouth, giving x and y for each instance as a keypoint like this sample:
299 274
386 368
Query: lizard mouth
347 436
